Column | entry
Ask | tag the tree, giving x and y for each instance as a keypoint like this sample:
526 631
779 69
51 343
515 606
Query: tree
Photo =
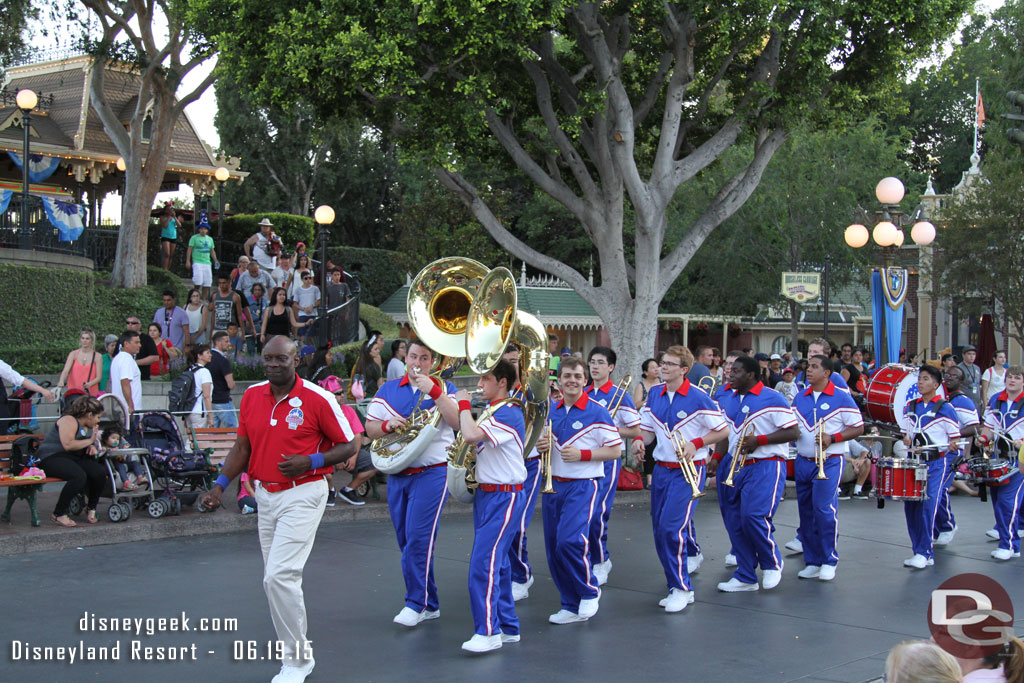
15 16
981 263
794 221
155 39
607 108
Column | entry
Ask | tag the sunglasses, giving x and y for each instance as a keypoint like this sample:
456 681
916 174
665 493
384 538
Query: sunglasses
132 322
306 277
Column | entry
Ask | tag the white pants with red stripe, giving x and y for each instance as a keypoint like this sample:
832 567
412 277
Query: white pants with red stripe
288 521
495 518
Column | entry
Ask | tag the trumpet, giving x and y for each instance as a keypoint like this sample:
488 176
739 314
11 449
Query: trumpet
739 459
689 470
819 453
545 462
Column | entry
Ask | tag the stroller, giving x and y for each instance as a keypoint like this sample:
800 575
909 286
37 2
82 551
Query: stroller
20 408
181 476
122 502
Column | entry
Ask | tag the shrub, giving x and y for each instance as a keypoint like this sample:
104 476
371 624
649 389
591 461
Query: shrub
290 228
375 319
380 271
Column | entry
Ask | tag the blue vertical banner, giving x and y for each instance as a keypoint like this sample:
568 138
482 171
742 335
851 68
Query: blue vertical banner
894 287
878 316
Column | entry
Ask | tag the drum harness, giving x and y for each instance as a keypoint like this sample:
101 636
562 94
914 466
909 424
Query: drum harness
932 453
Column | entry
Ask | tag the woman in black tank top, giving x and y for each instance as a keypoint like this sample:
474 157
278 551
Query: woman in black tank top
66 453
279 318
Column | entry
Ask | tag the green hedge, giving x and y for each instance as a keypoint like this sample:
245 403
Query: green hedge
376 319
45 309
380 271
290 228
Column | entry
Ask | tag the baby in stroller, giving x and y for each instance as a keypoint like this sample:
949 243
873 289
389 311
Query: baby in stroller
112 438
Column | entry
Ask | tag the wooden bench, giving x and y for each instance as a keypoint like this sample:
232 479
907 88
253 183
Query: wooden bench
25 489
218 440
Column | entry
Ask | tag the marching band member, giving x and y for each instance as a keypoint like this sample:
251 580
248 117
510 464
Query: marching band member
967 416
417 493
935 420
497 506
583 437
825 409
522 572
694 557
1005 416
818 346
677 408
601 362
764 417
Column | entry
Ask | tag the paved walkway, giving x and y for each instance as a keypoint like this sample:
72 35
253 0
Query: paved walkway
802 631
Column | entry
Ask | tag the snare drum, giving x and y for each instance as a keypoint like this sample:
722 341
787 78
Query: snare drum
901 479
888 391
992 471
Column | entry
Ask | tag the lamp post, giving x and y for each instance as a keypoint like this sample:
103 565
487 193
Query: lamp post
222 175
26 101
887 232
324 216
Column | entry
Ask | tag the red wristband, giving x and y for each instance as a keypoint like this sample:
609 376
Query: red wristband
436 392
698 443
717 457
465 405
762 440
384 426
837 437
585 455
638 438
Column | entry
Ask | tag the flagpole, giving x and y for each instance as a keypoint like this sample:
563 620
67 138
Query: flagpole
977 90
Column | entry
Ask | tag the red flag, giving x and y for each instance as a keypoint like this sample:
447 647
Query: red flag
981 111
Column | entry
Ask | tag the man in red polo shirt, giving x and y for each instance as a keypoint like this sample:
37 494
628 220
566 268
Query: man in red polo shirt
291 433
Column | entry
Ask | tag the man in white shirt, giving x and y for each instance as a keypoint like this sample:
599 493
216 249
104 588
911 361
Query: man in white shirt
307 299
283 271
125 377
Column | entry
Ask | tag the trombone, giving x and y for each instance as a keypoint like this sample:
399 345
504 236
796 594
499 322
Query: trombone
689 470
739 459
622 387
707 384
545 461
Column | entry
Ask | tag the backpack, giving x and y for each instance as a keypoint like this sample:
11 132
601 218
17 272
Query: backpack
182 395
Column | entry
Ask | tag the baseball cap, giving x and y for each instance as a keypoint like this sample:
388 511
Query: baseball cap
566 351
969 347
787 371
776 356
761 356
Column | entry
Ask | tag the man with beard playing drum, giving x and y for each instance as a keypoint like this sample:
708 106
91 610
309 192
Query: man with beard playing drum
827 417
1004 429
934 429
677 412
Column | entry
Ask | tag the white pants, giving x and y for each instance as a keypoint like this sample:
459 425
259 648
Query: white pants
202 275
288 521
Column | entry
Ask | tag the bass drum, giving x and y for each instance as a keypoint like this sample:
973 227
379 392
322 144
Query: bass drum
888 391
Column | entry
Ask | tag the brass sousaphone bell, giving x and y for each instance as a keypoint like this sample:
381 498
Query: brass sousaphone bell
438 307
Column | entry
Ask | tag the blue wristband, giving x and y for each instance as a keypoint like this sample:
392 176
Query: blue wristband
316 460
222 481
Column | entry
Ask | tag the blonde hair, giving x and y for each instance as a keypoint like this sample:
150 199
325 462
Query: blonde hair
682 353
921 661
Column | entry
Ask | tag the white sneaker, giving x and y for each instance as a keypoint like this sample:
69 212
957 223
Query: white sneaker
410 618
918 561
694 563
509 637
1004 554
828 572
795 546
811 571
993 534
734 585
521 591
588 607
564 616
479 643
601 572
730 560
677 600
290 673
771 578
664 600
945 537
